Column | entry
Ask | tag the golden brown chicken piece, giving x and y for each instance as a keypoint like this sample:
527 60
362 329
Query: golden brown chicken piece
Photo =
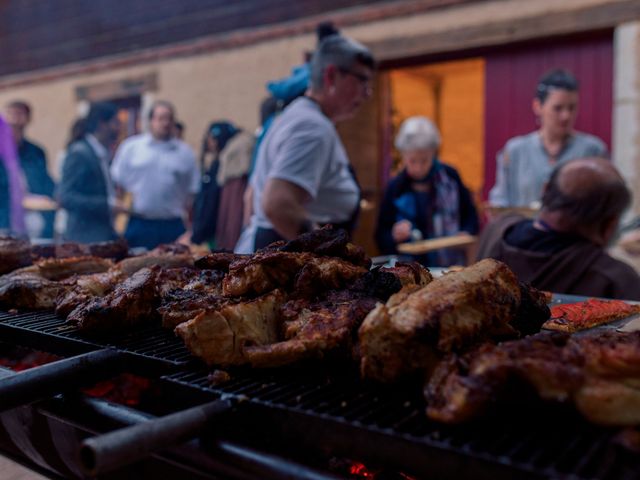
598 372
268 270
452 312
131 303
219 336
326 325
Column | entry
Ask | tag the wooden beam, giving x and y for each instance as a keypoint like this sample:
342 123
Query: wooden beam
541 25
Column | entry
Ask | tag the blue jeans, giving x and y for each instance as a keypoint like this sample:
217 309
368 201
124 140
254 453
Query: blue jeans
143 232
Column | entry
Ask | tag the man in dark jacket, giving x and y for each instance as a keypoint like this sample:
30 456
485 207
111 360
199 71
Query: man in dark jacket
563 250
85 190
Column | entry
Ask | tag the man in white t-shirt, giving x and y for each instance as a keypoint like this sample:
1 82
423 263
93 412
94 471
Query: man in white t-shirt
302 177
162 175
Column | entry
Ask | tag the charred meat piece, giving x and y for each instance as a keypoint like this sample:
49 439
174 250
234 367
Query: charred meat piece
60 268
129 266
131 303
266 271
115 250
179 303
598 372
86 288
28 291
313 331
219 336
328 242
327 324
219 260
452 312
14 254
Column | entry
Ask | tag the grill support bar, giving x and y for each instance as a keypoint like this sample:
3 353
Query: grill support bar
52 378
127 445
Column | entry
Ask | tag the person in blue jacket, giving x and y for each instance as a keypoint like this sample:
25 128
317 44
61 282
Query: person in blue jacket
427 199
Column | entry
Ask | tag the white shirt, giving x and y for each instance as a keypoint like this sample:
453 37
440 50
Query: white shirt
161 175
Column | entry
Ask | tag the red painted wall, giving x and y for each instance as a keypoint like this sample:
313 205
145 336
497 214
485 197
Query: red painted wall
512 75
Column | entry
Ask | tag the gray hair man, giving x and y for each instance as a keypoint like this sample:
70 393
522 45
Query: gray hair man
563 249
302 176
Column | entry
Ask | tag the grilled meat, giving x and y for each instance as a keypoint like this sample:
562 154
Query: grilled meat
219 260
86 288
268 270
130 303
326 325
313 331
219 336
14 254
598 372
60 268
328 242
114 250
172 255
182 301
452 312
29 291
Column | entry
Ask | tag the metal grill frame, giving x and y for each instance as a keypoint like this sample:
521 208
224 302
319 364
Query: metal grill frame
149 347
319 413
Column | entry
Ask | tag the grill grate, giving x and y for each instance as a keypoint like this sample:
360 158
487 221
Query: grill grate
149 343
549 444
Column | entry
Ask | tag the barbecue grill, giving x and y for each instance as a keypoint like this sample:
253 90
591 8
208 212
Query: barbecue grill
249 425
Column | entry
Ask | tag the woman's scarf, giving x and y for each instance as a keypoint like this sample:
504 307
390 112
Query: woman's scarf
9 158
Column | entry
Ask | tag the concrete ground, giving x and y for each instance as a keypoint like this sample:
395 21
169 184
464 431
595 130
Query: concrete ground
9 470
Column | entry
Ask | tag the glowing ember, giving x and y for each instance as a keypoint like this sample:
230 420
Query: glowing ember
360 470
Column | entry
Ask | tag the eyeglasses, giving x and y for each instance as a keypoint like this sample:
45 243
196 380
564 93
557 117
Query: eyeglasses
365 80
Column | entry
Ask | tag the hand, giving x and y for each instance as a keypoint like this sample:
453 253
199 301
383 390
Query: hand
401 231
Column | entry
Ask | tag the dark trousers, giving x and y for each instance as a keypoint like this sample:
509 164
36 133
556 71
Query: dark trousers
266 236
144 232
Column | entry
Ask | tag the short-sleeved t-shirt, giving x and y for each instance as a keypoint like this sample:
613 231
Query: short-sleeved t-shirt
161 175
303 147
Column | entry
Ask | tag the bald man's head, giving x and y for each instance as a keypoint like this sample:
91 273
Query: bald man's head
590 192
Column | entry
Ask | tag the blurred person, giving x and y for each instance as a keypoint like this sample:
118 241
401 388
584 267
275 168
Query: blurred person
206 205
85 190
162 176
76 133
11 188
525 163
33 162
302 176
427 199
563 249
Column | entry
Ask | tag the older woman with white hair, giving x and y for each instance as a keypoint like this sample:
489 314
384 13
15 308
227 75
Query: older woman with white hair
427 199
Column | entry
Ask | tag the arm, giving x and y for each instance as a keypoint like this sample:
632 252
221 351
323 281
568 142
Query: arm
283 204
77 188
